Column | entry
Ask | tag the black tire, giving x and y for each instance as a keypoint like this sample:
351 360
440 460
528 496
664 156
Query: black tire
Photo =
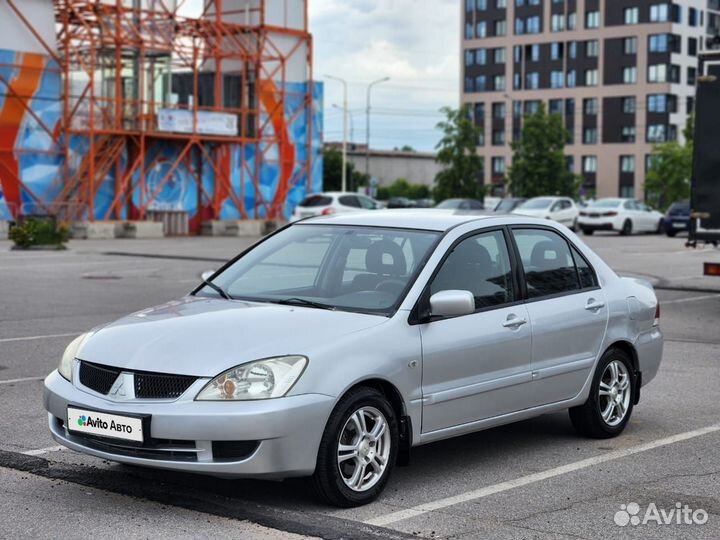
627 228
587 418
660 227
671 233
327 481
574 227
587 232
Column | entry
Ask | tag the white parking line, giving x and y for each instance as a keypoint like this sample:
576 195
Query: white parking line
24 379
41 451
691 299
439 504
32 338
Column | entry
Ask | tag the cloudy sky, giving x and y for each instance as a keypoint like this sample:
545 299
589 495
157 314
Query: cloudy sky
414 42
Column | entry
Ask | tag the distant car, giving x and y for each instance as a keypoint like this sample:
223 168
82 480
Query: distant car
624 216
560 209
400 202
424 203
460 204
508 204
677 218
333 202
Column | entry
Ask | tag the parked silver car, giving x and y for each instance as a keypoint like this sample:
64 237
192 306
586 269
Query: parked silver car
333 346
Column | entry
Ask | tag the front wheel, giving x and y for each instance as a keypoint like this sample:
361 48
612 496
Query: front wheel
627 228
609 406
358 449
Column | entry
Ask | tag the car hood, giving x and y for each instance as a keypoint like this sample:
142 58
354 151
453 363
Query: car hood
204 337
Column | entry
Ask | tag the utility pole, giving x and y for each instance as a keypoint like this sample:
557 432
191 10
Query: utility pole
345 129
367 123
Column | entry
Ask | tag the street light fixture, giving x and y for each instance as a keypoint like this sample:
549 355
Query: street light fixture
345 131
367 123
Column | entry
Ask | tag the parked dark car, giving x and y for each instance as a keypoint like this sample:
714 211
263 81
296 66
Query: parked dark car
400 202
508 204
677 217
461 204
424 203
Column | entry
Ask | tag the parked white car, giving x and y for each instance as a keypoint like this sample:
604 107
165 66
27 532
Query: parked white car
624 216
560 209
333 202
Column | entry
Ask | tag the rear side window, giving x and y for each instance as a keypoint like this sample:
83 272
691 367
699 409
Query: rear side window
586 275
316 200
548 264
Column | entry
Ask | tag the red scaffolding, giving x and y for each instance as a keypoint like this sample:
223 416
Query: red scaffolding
118 61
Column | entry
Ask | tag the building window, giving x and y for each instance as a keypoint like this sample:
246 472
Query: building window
480 83
692 17
592 48
500 28
590 136
689 104
532 106
500 4
571 79
498 137
519 26
627 164
469 84
693 45
658 43
628 105
498 165
691 74
592 19
631 15
532 80
532 53
481 57
532 25
499 83
469 57
479 114
517 81
590 106
656 133
659 13
572 21
591 77
629 75
557 22
481 5
589 164
499 55
555 106
627 192
630 45
498 109
517 108
556 51
469 31
557 79
628 134
517 53
481 29
657 73
572 49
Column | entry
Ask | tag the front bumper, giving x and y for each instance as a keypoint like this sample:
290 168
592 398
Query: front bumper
286 431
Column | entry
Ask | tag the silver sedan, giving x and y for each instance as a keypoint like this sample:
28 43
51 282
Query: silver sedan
332 347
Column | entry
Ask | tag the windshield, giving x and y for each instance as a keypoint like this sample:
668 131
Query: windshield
365 269
536 204
506 205
605 203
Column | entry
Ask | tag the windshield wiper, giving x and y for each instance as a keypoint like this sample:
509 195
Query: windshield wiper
218 289
303 302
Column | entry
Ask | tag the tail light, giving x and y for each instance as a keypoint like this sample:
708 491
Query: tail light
656 322
610 214
328 211
711 269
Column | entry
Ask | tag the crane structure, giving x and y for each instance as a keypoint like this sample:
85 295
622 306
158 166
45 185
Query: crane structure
133 110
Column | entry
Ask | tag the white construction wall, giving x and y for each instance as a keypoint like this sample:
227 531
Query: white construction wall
16 36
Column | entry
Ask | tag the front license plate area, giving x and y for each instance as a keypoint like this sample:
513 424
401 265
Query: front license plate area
102 425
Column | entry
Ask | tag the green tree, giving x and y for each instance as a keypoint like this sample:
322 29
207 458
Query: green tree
332 172
538 166
457 152
402 188
668 177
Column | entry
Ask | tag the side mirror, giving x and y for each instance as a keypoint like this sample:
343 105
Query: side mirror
207 274
452 303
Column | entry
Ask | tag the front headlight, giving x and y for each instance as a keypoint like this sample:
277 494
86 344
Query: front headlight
66 363
262 379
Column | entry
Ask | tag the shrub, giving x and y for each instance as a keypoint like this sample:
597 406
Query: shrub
39 232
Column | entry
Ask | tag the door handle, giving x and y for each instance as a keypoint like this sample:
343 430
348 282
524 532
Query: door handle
514 322
594 305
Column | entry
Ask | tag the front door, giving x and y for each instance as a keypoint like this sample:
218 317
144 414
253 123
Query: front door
567 311
476 366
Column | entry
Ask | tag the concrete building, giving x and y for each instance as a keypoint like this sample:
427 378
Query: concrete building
620 72
389 165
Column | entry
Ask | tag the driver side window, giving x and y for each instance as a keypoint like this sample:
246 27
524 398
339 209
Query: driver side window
479 264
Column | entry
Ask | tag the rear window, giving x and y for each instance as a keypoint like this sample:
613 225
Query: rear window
316 200
682 206
606 203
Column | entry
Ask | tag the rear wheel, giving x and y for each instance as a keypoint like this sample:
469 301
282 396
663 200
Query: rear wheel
660 227
358 449
670 232
588 232
609 406
627 228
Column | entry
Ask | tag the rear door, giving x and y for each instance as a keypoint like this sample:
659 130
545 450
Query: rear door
567 310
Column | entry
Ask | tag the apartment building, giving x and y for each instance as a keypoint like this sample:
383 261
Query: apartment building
621 73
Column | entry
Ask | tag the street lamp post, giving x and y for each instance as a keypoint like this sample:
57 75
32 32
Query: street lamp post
345 131
367 123
351 117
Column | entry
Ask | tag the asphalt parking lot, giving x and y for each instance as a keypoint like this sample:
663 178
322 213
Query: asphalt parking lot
534 479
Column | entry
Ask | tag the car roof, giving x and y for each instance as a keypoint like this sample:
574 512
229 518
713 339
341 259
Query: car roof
427 219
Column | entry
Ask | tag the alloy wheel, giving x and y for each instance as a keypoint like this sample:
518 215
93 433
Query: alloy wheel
614 393
364 449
